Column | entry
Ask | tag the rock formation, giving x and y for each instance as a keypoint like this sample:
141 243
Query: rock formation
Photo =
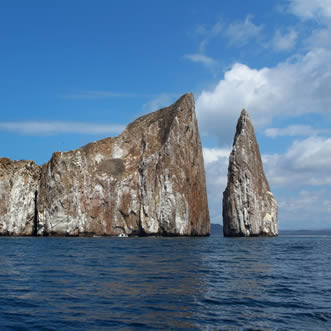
149 180
19 185
249 207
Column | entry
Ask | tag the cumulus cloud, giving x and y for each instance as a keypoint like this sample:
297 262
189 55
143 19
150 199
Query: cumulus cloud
57 127
306 162
294 87
285 41
314 210
240 33
212 155
302 179
311 154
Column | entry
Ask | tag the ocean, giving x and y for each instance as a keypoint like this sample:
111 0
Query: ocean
212 283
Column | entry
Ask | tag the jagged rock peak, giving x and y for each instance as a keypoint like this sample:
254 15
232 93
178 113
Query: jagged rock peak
244 122
150 180
249 207
244 112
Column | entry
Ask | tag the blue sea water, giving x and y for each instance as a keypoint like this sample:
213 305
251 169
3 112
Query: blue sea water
211 283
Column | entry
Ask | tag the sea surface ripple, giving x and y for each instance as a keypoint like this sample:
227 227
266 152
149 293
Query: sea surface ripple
211 283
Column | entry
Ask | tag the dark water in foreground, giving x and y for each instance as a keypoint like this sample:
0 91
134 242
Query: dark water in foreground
196 283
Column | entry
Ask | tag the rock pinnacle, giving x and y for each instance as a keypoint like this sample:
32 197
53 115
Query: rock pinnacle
249 207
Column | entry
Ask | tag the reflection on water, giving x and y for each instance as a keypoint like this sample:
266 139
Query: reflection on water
194 283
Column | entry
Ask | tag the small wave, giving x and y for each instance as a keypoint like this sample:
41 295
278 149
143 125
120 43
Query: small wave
317 315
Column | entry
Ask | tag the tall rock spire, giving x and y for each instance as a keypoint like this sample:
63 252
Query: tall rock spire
249 207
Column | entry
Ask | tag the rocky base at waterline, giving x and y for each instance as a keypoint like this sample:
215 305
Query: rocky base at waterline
150 180
249 207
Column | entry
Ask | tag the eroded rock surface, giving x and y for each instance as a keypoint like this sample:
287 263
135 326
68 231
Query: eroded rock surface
149 180
249 207
19 185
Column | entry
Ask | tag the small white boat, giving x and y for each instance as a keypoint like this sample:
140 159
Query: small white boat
123 235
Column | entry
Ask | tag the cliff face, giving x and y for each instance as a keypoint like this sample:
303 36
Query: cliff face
249 207
150 180
19 185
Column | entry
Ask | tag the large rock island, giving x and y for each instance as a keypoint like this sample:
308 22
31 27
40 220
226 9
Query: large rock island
150 180
249 207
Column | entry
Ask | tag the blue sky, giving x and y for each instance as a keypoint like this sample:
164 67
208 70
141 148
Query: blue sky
72 72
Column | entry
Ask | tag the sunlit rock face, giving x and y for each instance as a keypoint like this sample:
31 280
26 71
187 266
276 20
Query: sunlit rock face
150 180
249 207
19 185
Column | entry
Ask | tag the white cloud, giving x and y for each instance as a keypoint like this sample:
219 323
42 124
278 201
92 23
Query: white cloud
305 210
200 58
58 127
307 162
211 155
294 130
318 12
310 9
286 41
311 154
240 33
294 87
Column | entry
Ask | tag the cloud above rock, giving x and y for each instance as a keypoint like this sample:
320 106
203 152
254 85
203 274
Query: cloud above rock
297 86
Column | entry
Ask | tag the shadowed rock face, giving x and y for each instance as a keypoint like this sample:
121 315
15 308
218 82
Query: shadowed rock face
150 180
249 208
